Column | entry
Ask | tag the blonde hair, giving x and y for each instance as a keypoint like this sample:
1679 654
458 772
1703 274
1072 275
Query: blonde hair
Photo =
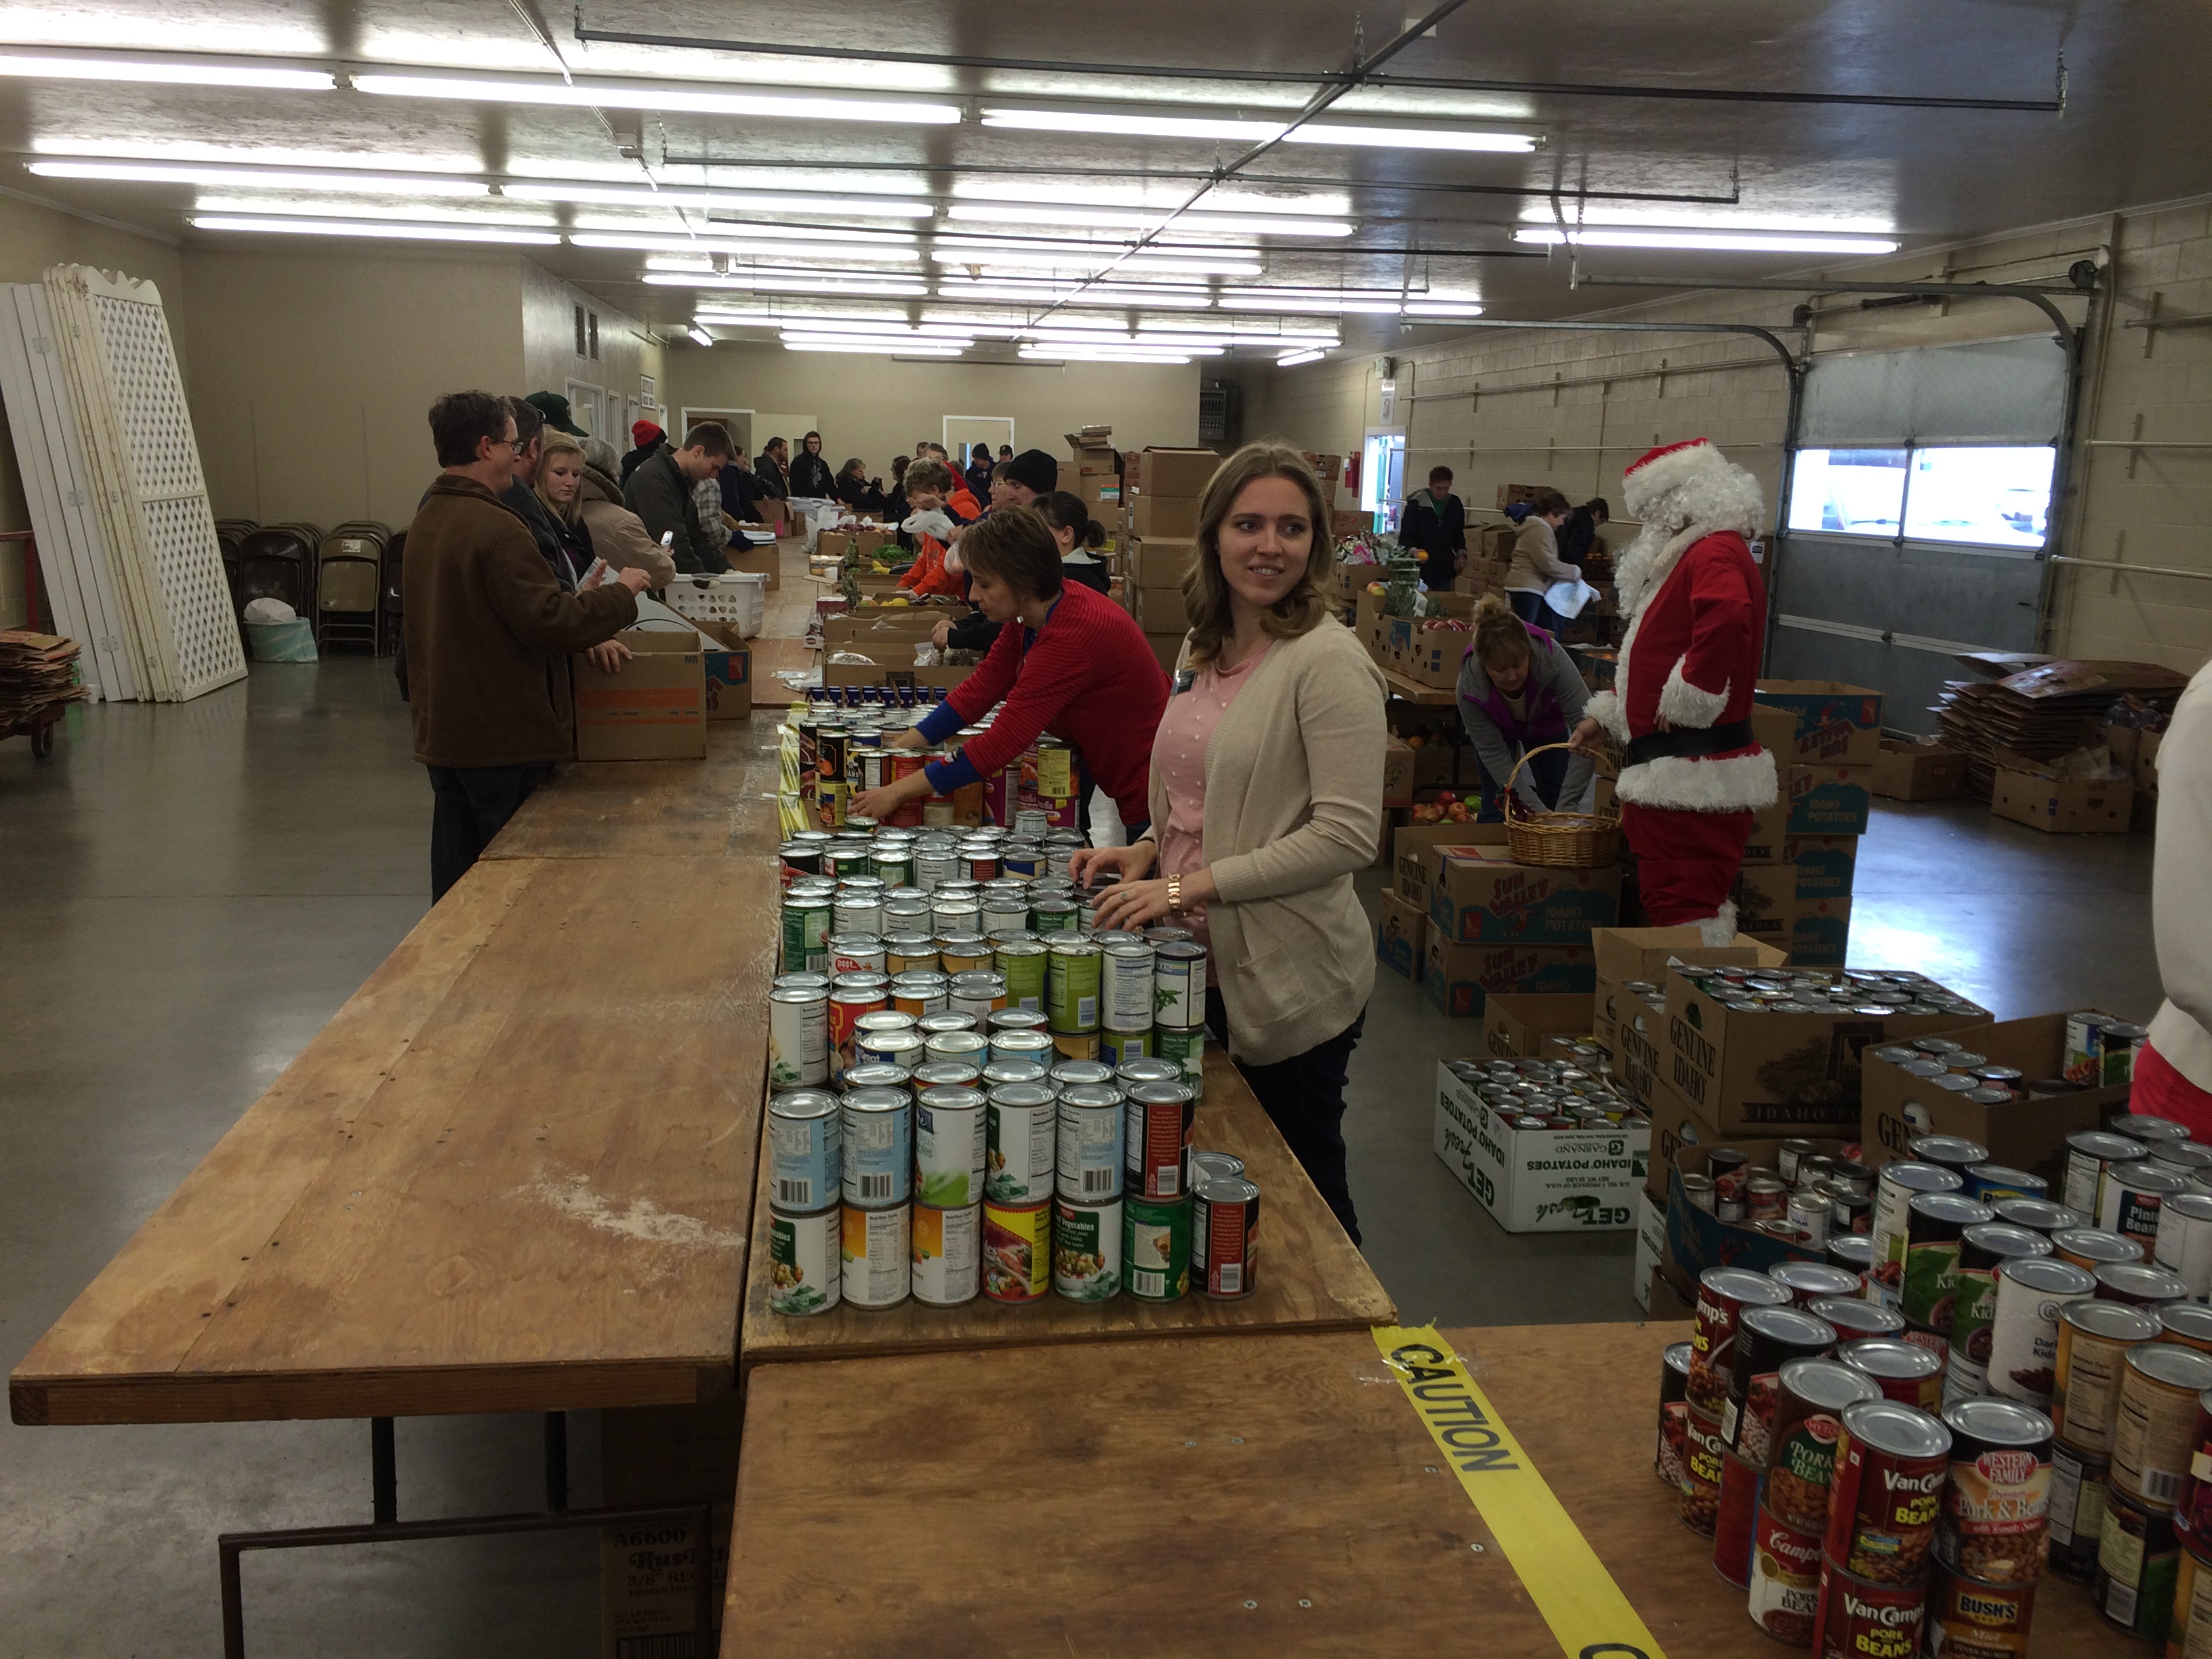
558 443
1500 636
1206 591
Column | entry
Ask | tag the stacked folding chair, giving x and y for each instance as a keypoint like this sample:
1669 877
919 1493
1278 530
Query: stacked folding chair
348 586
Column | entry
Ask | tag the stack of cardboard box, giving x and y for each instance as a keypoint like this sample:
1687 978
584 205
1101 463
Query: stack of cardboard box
1795 892
1161 491
1092 474
1489 555
1918 768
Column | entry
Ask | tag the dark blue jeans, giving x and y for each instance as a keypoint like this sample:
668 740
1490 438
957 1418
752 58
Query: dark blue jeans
1532 608
470 806
1304 1097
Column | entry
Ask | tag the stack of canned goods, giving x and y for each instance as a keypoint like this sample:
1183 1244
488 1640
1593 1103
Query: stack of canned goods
1875 994
1810 1199
1575 1092
2100 1050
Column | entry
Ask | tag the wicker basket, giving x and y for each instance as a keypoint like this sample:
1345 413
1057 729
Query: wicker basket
1559 841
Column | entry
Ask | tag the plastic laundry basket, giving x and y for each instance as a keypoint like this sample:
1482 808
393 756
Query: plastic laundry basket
281 641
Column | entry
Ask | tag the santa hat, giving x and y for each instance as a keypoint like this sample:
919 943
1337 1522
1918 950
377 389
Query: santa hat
1667 468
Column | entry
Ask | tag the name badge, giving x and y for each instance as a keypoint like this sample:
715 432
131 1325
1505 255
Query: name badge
1184 681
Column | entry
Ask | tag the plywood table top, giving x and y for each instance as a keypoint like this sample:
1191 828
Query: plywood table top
1260 1495
722 806
1309 1275
513 1173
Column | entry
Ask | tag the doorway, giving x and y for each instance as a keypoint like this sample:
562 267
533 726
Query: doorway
966 433
590 407
1383 478
738 422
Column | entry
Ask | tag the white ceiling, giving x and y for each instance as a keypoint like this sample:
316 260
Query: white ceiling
1427 227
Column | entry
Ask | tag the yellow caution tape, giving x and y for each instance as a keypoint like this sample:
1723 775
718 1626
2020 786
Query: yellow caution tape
1561 1572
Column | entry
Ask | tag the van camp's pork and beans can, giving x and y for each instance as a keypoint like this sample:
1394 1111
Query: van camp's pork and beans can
1086 1248
804 1136
2023 1356
1157 1119
807 1270
1858 1618
1723 1295
1996 1503
1699 1503
1224 1234
1891 1465
1017 1251
1766 1339
947 1253
1156 1247
879 1266
1674 1408
1811 1397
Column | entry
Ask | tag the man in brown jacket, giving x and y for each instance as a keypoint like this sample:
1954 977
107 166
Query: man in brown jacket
488 634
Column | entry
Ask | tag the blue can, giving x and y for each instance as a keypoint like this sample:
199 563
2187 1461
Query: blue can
1988 1182
878 1147
804 1133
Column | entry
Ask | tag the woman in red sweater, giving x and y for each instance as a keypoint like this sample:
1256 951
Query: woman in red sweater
1075 664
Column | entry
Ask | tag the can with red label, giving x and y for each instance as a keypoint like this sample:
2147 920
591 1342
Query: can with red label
1968 1619
1866 1618
1891 1465
2192 1500
1903 1370
1785 1577
1811 1395
1700 1489
1674 1413
1157 1122
1224 1230
1996 1503
1767 1339
1723 1295
1742 1486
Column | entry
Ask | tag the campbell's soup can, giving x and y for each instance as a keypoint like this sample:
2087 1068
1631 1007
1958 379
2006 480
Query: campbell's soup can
1811 1396
1086 1248
1785 1577
1017 1251
1723 1295
1996 1504
947 1254
1859 1616
1224 1233
1159 1118
807 1268
1891 1465
878 1268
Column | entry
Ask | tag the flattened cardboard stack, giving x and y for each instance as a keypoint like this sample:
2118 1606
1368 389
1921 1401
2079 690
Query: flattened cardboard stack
36 672
2039 707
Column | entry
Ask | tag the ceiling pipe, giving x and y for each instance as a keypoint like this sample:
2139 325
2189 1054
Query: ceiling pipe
1345 79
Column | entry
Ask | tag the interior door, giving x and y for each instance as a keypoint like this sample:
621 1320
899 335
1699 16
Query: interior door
964 432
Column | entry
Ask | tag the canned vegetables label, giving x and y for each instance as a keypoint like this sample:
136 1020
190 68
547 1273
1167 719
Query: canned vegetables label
1086 1251
1155 1245
805 1269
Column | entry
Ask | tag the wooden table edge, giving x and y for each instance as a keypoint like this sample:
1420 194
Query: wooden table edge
748 1363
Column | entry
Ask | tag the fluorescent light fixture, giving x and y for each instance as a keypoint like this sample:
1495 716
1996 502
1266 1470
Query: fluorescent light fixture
65 64
1235 334
781 314
699 336
883 328
446 233
196 173
1713 240
1156 198
1214 248
1099 294
1096 355
435 211
1369 302
1732 219
879 350
1443 309
901 243
1130 219
764 281
782 250
862 207
1118 125
669 95
995 262
1292 359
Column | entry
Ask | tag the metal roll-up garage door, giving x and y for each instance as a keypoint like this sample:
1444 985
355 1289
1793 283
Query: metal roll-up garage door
1920 515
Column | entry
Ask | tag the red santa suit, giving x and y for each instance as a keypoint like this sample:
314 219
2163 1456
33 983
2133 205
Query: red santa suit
1696 611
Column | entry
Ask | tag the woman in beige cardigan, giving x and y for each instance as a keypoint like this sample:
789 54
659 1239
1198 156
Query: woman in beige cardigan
1266 795
1537 564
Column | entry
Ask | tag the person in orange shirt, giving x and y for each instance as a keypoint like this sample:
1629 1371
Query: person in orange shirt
941 507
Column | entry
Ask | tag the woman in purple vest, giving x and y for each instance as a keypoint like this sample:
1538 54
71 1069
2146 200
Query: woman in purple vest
1519 689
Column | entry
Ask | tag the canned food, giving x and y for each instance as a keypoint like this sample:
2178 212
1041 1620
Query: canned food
1159 1118
2089 1153
947 1253
853 951
2081 1486
907 953
847 1005
1723 1295
2154 1434
2139 1284
920 992
1073 969
878 1149
805 933
1077 1045
1891 1465
1022 1137
1790 1158
1969 1619
1982 1251
805 1271
1205 1165
1089 1143
1785 1577
2029 1294
1766 1339
1854 1252
2189 1323
1086 1249
2093 1340
802 1141
875 1076
1032 1047
1126 988
2192 1503
1698 1189
2151 1131
1082 1074
797 1037
1953 1153
2037 1215
1907 1372
949 1138
1017 1251
1023 962
1901 1182
878 1268
1996 1502
1736 1519
1674 1407
979 991
1808 1282
1811 1211
2138 1565
2189 1636
1224 1234
1765 1198
971 1046
1187 1048
1730 1171
1156 1247
1988 1182
962 951
1853 1615
2094 1248
889 1045
1699 1499
1116 1048
2084 1061
1811 1395
2131 1196
1179 985
1933 1225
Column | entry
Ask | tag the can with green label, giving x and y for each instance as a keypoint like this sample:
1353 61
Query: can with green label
1072 979
807 919
1086 1248
1185 1048
1156 1249
1022 962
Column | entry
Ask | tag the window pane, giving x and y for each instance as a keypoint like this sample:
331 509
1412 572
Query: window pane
1851 492
1998 498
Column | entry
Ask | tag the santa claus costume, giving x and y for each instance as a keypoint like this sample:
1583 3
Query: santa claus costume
1692 775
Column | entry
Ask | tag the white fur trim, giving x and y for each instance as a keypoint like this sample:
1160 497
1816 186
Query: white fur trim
1649 560
1685 783
1681 704
1719 928
1605 708
1698 485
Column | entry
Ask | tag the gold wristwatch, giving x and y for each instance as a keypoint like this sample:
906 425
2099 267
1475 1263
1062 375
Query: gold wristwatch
1175 895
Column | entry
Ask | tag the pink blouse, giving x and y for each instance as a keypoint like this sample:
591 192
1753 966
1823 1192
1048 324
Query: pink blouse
1179 758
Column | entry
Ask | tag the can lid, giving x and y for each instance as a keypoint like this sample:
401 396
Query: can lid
1014 1071
936 1071
1677 1356
1022 1094
2049 1275
2043 1216
1789 1325
1955 1209
1091 1097
1998 1422
2002 1238
875 1074
2191 1321
2106 1148
2172 1363
2097 1244
1857 1249
2142 1281
1741 1285
1814 1279
1917 1178
1178 949
1883 1356
2120 1321
875 1100
2149 1177
802 1103
1160 1093
1081 1073
1954 1150
952 1097
1233 1189
1892 1426
1828 1383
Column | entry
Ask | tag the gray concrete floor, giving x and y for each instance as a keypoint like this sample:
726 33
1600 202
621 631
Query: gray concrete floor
193 891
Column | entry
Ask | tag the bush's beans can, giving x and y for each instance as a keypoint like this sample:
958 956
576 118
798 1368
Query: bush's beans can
1766 1339
806 1270
1159 1118
1021 1139
1901 1182
1156 1247
807 919
1023 962
1996 1503
1126 989
1723 1295
2081 1487
1673 1401
846 1007
877 1149
2089 1154
1982 1251
1187 1048
879 1266
2138 1565
1224 1237
948 1148
1737 1517
1090 1144
2183 1244
2154 1435
1017 1251
1988 1182
804 1135
2093 1340
1810 1397
2131 1197
1086 1249
797 1038
1785 1577
1179 985
1907 1373
1700 1501
2023 1349
1933 1223
947 1253
1864 1618
2138 1284
1970 1619
1891 1465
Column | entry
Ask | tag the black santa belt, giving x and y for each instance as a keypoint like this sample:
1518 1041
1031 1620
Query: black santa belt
1687 743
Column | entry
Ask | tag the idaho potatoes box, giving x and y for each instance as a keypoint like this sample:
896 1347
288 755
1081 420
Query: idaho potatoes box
1401 936
1830 800
1515 1023
1539 1181
1478 895
1837 725
1460 979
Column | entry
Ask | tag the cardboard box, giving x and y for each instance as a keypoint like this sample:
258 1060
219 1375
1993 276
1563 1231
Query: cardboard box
1169 516
1478 895
1163 561
1167 648
1401 936
1825 865
1176 472
1639 1043
1161 610
1539 1181
761 561
1650 1247
1675 1124
1411 845
851 674
653 709
1514 1026
1427 653
729 672
1830 800
1345 521
1768 1072
2021 1134
1836 724
1627 954
2065 807
1820 933
1460 979
1918 771
1667 1303
1436 766
1398 771
1697 1239
656 1455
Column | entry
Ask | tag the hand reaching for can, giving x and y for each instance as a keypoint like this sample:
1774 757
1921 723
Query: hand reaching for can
1131 863
1132 904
